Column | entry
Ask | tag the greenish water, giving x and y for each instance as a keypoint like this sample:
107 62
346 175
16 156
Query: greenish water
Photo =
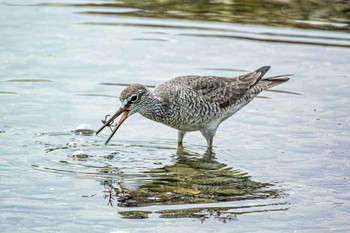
281 164
322 15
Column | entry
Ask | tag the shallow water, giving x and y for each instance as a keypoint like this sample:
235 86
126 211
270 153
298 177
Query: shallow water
285 155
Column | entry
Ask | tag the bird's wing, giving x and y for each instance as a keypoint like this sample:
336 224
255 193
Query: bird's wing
220 91
226 92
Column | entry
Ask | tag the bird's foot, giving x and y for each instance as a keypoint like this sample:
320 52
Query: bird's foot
209 151
180 146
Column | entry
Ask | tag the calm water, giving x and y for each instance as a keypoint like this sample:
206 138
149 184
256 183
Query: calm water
281 164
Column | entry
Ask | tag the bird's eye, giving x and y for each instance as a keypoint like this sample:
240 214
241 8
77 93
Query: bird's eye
133 98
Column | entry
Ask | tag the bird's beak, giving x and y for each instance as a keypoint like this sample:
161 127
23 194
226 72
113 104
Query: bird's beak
125 114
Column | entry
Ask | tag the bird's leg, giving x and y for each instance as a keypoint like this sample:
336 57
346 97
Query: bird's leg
180 137
208 135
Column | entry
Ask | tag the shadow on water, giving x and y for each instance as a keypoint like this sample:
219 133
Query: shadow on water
175 183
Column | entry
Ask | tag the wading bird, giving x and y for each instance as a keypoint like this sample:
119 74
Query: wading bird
193 103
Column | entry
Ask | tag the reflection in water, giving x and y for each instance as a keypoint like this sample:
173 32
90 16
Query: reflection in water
163 25
194 179
302 14
223 214
138 176
272 40
242 35
8 92
30 80
309 14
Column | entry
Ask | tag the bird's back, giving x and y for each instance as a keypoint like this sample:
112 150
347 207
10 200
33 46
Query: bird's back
193 101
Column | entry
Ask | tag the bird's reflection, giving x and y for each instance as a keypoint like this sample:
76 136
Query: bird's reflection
193 178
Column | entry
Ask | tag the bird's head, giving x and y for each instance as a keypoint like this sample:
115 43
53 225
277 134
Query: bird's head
132 99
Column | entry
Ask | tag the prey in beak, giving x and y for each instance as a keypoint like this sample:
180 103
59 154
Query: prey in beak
122 111
131 99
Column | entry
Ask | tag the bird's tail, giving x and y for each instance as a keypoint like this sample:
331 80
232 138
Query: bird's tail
256 83
275 80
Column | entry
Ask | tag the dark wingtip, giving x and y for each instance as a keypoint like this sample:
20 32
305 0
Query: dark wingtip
263 69
258 74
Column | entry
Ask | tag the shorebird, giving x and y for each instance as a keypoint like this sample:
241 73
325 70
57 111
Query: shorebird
193 103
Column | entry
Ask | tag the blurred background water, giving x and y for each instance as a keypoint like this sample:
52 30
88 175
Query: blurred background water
281 164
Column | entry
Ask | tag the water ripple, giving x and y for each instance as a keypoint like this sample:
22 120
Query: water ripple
154 173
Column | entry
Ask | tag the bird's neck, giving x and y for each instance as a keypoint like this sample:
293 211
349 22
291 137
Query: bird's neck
153 108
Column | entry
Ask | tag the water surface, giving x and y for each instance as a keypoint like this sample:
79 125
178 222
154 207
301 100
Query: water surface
280 164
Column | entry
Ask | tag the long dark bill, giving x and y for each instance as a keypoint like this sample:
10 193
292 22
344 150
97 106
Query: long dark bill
122 119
